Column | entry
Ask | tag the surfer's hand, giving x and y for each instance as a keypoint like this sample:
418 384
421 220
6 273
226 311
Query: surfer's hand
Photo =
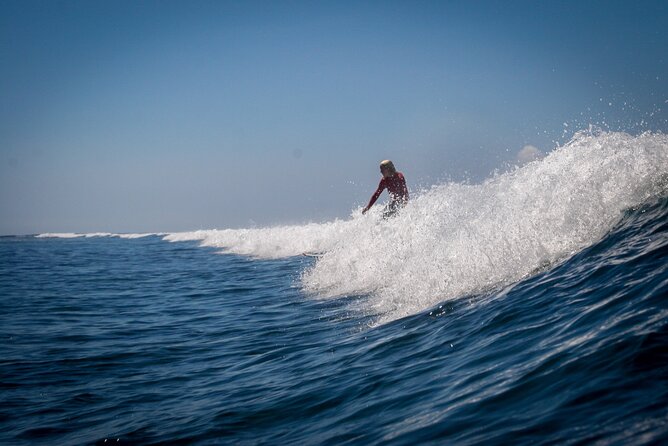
364 210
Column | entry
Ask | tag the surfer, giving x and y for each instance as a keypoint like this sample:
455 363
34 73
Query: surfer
395 183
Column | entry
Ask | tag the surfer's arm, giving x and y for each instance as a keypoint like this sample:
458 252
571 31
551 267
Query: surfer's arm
375 195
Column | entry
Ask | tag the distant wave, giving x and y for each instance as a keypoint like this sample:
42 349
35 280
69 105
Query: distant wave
97 234
457 239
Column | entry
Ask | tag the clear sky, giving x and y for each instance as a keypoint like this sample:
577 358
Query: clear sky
134 116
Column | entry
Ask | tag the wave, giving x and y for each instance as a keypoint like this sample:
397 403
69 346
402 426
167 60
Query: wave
458 239
98 234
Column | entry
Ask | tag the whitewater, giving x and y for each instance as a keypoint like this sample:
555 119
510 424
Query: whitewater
460 239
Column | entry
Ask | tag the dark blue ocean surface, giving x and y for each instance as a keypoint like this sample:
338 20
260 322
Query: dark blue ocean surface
145 341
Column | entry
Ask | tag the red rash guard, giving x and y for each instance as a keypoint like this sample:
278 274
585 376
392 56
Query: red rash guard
396 187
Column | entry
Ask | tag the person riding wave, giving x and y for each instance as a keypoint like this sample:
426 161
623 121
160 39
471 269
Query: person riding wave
395 183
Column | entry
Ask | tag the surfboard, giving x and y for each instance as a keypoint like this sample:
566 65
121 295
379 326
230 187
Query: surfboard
313 254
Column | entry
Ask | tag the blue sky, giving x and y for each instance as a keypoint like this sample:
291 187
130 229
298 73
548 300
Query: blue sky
165 115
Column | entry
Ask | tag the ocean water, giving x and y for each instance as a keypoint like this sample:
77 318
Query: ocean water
530 309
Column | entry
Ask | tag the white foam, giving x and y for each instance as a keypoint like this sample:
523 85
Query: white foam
457 239
272 242
139 235
59 235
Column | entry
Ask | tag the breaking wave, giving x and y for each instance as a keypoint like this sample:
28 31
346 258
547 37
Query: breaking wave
459 239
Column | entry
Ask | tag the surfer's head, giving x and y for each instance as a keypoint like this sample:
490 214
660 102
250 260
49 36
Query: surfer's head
387 168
